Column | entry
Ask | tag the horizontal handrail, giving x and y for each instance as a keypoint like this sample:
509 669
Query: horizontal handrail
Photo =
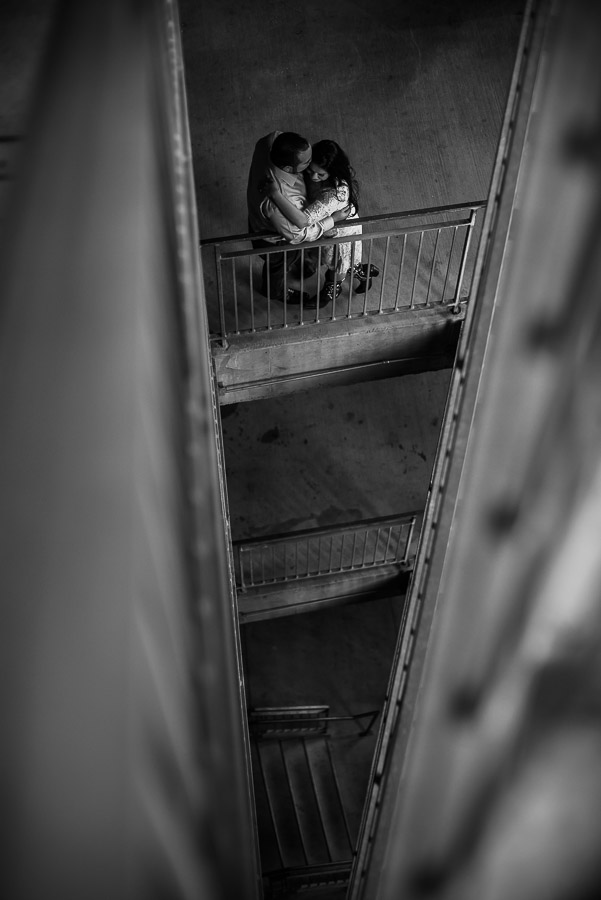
361 220
372 714
342 239
283 536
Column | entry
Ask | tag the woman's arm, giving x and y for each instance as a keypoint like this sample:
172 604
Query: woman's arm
331 201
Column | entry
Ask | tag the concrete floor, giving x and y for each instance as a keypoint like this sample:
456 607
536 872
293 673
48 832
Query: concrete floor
333 455
414 91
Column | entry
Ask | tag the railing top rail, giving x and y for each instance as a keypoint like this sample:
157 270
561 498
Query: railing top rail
300 721
362 220
402 518
342 239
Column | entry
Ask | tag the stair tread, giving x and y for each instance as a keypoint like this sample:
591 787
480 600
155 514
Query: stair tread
306 803
282 804
271 859
330 802
301 818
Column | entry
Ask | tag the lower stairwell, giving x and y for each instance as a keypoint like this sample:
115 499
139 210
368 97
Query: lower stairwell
308 800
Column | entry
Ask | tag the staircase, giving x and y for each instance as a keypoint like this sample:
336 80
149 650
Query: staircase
306 843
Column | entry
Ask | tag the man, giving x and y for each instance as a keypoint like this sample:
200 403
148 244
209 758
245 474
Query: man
283 156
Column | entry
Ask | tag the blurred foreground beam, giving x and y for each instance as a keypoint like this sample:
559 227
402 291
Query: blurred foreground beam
123 755
493 783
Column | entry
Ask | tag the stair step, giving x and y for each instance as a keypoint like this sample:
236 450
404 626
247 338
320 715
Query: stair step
326 787
281 805
306 803
271 854
300 814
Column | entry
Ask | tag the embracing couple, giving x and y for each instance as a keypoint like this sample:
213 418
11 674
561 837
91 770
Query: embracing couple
299 193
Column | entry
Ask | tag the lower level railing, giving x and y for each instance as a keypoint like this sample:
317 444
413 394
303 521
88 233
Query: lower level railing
417 265
280 722
356 547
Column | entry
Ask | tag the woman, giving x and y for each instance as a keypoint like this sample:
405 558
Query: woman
331 188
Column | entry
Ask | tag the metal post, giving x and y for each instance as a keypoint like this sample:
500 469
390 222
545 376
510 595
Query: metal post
463 264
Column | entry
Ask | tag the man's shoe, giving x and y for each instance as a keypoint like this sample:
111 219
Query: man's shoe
293 297
360 272
326 295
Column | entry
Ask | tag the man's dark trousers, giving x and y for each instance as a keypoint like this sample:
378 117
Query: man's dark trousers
278 265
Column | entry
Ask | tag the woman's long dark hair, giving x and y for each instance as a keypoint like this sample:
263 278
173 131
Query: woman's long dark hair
330 156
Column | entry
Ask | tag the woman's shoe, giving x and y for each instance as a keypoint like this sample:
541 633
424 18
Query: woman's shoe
360 272
329 291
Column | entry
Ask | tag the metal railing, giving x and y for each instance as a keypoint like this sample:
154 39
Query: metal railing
356 547
420 265
268 722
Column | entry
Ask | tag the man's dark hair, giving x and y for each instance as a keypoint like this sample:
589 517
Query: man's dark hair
286 149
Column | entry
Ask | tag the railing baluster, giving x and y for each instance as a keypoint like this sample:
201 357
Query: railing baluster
369 255
240 555
285 294
268 285
466 247
432 265
401 265
350 287
302 279
319 264
449 261
383 275
353 550
398 544
390 527
251 573
409 539
415 274
377 541
235 295
364 554
336 254
251 286
219 276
